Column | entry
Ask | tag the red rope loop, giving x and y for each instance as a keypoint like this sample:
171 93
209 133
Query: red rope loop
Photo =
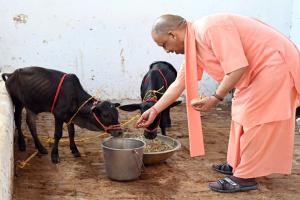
57 92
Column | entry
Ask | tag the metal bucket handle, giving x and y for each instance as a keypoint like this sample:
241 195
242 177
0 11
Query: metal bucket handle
136 154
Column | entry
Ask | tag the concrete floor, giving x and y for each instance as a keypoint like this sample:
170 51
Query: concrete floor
180 177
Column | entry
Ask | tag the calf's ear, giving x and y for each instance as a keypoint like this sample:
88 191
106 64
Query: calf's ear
131 107
116 105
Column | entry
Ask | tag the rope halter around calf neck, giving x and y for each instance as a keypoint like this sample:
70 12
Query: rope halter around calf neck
105 128
150 96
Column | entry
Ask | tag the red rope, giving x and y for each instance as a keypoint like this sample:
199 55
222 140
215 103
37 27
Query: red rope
57 92
162 75
155 100
117 126
152 99
106 128
165 80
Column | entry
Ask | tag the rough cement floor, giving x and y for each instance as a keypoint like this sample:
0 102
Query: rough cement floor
181 177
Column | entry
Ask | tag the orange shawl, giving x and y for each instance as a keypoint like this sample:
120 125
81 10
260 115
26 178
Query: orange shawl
191 84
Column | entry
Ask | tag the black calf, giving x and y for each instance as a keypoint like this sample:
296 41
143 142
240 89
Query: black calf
35 88
160 75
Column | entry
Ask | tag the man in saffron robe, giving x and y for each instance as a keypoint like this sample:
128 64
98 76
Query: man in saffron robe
264 68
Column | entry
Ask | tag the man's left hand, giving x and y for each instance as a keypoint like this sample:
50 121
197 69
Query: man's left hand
204 103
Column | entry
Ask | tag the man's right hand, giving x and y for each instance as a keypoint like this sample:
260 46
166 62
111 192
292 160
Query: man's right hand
147 118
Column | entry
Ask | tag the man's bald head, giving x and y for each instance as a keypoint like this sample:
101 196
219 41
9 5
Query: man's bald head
169 32
166 23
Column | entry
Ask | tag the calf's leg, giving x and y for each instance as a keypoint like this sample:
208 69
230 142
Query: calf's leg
169 123
73 147
57 137
163 122
31 123
18 121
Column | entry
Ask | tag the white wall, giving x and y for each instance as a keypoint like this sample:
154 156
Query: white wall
108 43
295 25
6 144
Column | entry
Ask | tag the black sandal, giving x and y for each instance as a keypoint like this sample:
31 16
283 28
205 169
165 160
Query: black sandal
223 168
227 185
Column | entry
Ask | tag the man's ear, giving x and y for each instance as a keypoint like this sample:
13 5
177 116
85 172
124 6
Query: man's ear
172 34
131 107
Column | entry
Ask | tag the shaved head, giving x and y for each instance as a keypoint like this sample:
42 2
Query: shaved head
168 31
166 23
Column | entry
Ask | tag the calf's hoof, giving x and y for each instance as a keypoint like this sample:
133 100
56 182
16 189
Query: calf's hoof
22 145
42 150
55 159
76 153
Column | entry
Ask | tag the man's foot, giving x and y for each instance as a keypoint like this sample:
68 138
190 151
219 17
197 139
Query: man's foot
223 168
233 184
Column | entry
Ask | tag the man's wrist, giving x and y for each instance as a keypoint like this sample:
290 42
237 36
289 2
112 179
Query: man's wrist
220 98
155 110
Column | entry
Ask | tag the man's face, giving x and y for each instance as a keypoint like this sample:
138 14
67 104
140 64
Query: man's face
170 42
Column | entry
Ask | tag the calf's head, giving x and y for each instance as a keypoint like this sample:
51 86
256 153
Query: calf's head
101 115
151 131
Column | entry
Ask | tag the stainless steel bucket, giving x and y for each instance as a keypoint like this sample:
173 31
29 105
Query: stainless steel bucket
123 158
